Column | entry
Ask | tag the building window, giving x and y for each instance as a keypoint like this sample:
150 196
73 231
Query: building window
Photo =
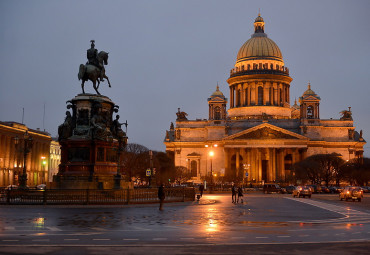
217 113
193 167
310 112
260 96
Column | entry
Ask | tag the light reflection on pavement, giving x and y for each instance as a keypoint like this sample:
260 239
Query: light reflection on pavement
213 220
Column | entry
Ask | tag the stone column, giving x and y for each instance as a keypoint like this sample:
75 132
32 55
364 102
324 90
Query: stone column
249 169
294 155
253 94
248 94
253 167
270 166
198 169
231 97
227 166
237 161
266 93
273 159
282 156
258 163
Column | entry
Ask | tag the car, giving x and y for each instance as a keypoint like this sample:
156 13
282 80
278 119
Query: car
315 188
302 191
351 192
271 188
325 189
289 189
334 189
365 189
11 187
41 187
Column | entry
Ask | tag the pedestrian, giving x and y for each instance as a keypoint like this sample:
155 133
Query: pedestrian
201 189
233 193
240 194
161 196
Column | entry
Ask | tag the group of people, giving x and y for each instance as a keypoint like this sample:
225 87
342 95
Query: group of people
237 193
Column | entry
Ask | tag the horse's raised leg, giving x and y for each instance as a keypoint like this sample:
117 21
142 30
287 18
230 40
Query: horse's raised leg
106 77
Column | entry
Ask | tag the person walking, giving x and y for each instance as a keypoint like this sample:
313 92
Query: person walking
240 194
161 196
233 193
201 189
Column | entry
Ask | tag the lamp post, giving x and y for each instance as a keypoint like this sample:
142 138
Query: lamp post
27 146
43 164
117 177
211 154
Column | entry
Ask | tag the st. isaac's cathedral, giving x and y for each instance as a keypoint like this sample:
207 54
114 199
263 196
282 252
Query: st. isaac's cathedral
261 135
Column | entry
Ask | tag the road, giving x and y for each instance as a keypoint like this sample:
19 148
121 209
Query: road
264 224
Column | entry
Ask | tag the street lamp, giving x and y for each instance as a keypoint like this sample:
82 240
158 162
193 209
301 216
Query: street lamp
211 154
27 146
117 177
43 164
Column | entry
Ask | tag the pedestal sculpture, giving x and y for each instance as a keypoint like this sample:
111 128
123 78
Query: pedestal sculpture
91 141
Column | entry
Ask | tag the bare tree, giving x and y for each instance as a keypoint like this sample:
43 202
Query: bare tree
357 171
165 167
182 174
135 160
320 167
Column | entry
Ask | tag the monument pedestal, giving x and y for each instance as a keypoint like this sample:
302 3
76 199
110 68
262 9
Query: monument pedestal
91 143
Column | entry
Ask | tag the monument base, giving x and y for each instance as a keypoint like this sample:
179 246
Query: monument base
88 182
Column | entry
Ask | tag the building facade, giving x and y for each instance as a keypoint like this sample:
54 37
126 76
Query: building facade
261 135
55 158
12 136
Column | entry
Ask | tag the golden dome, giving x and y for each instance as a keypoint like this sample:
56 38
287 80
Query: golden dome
217 93
259 46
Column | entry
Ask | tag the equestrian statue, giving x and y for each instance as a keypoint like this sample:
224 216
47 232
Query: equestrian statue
94 69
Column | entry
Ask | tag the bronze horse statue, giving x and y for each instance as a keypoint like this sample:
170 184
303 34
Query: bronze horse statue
92 73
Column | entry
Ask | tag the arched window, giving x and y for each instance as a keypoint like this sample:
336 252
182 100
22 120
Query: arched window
193 168
310 112
260 96
217 113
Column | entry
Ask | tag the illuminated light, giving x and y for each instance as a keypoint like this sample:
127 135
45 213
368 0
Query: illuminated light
39 222
206 145
215 145
211 153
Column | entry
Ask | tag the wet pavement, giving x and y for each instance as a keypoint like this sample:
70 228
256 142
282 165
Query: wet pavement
213 221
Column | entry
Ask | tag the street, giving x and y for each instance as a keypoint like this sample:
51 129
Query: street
213 225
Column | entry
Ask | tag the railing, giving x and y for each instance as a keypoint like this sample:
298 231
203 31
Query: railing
89 196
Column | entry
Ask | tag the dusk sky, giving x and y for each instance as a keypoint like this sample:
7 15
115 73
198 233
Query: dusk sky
169 54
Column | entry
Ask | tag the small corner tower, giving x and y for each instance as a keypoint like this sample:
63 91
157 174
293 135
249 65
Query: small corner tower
309 104
217 105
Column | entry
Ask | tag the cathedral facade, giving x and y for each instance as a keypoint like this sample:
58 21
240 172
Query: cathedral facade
261 135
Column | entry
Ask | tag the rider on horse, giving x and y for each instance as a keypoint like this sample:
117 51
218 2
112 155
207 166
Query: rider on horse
92 56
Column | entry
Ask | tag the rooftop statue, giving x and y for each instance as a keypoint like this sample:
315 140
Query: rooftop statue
346 115
181 115
94 69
